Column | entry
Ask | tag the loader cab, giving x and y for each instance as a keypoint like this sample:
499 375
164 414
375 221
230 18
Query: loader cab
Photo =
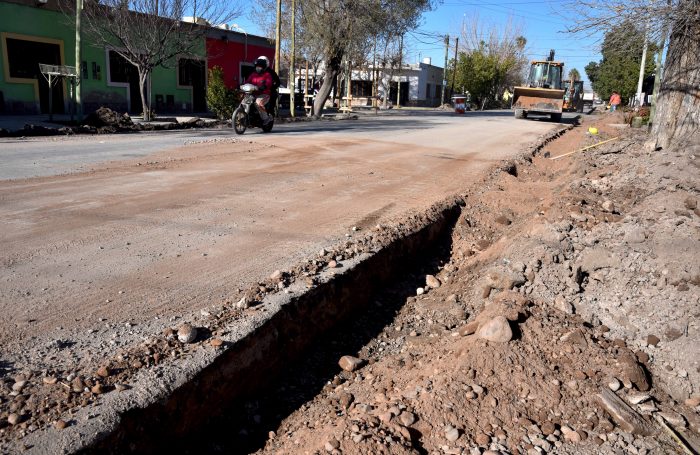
545 74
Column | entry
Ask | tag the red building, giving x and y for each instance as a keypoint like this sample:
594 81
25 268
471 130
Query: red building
235 53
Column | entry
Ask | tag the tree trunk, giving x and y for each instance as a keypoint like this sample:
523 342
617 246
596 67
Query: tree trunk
678 104
332 71
143 78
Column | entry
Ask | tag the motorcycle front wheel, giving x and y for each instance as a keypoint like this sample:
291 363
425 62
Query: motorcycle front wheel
239 121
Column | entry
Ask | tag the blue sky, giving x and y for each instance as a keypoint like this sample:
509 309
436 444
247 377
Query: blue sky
542 23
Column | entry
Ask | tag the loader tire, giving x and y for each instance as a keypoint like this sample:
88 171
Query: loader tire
520 113
556 117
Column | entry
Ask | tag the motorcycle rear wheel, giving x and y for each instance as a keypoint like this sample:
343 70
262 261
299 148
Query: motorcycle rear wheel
239 121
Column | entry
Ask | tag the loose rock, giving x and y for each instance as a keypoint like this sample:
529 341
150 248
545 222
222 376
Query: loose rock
432 282
451 433
350 363
186 333
496 330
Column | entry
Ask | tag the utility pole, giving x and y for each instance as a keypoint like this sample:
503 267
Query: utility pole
659 75
398 83
444 72
292 66
454 70
278 35
78 60
641 67
375 85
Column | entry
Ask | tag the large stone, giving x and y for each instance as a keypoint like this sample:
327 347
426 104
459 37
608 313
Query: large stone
349 363
497 330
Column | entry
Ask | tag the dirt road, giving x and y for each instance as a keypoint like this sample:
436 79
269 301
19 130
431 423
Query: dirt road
147 239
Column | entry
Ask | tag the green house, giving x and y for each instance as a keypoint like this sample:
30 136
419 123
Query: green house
34 32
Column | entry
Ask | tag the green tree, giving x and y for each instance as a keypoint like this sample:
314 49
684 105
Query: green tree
574 75
678 103
619 68
492 60
220 99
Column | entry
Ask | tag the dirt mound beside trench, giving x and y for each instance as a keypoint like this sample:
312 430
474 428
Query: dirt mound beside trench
564 321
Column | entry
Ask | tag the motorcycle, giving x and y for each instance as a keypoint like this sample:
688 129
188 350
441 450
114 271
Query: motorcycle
247 114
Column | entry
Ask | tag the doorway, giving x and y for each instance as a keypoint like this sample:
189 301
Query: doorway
24 57
404 92
192 73
123 72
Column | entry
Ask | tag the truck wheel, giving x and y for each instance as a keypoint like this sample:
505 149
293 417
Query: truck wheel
519 113
556 117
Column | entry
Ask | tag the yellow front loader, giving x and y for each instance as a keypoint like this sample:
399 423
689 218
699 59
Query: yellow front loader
543 93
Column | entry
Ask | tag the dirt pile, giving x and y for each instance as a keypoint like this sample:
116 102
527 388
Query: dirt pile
105 116
565 321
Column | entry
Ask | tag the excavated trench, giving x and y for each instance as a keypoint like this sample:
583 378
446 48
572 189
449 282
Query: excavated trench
232 404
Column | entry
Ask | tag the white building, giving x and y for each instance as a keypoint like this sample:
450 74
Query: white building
420 85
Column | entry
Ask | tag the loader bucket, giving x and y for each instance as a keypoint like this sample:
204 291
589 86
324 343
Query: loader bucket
544 100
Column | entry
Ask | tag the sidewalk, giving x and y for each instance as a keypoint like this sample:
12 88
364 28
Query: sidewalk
18 123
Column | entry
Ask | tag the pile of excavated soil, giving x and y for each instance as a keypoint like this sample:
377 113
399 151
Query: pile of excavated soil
564 321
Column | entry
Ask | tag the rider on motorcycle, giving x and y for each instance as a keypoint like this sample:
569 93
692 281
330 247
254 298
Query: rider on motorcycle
263 81
275 78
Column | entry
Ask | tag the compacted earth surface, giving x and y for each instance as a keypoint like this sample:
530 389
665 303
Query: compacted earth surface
561 316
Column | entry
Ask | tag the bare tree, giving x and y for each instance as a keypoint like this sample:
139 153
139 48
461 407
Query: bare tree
336 31
388 63
678 102
151 33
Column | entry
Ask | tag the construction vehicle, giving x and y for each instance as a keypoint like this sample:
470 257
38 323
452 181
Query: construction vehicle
573 96
543 93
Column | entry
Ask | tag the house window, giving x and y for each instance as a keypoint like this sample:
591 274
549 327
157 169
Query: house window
120 69
24 57
188 71
427 91
361 88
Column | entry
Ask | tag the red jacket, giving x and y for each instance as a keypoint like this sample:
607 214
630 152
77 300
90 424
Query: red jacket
262 80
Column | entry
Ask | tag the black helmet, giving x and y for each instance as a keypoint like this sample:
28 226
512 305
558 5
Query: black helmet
261 63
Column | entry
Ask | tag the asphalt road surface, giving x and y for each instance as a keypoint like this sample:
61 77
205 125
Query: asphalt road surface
133 227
